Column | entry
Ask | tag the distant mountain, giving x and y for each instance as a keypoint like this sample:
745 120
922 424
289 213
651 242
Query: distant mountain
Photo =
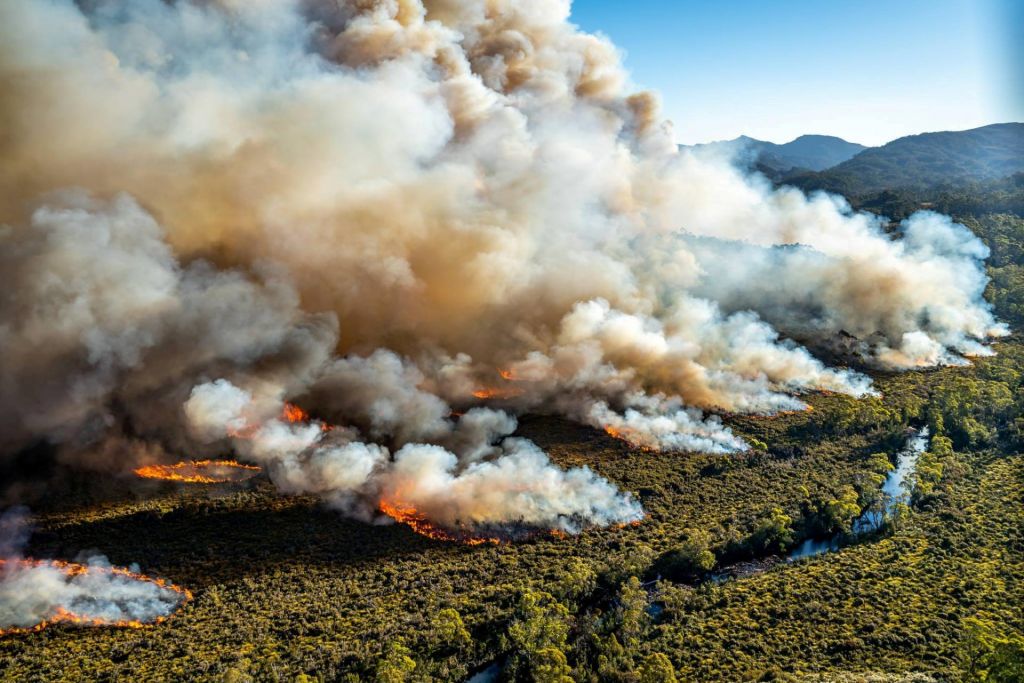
810 152
926 160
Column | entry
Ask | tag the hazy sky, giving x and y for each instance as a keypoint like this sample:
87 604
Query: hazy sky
866 70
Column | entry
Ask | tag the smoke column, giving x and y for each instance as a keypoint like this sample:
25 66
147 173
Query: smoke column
390 211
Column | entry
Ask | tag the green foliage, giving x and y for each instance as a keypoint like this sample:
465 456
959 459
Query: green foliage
774 531
879 463
233 675
632 612
550 666
657 668
927 474
576 580
539 633
396 665
688 560
842 511
541 624
970 410
989 655
942 447
449 628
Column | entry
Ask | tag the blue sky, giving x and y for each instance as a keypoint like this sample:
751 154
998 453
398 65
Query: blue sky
865 70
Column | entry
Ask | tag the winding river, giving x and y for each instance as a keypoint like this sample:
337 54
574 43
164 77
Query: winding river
895 490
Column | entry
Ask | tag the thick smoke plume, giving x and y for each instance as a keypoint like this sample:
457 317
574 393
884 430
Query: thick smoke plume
34 593
388 211
457 488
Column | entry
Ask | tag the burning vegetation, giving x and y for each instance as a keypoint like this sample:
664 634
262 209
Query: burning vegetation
293 413
418 522
53 592
200 471
501 392
496 393
472 193
469 468
468 535
632 437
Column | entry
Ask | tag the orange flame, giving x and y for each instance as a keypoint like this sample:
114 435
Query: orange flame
497 392
65 616
630 437
614 433
500 392
417 521
192 471
293 413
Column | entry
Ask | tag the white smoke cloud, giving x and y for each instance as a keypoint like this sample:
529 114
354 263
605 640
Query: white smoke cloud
103 314
517 483
520 485
917 300
94 593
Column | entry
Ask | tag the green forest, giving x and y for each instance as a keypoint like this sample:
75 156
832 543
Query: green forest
287 590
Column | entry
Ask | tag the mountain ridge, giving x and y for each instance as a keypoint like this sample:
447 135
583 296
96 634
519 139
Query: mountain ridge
923 160
812 152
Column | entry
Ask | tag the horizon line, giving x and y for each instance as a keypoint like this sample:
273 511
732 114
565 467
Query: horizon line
840 137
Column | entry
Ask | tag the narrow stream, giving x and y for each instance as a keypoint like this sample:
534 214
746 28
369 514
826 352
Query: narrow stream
489 674
895 490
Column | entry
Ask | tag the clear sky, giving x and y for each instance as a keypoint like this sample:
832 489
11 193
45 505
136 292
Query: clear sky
865 70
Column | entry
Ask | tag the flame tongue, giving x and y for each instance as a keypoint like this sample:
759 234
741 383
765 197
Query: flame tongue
630 436
61 614
500 392
293 413
200 471
417 521
487 393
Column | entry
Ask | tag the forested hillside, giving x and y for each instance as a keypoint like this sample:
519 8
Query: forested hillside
926 160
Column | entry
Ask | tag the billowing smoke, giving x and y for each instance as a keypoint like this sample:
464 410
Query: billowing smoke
394 211
455 488
34 593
